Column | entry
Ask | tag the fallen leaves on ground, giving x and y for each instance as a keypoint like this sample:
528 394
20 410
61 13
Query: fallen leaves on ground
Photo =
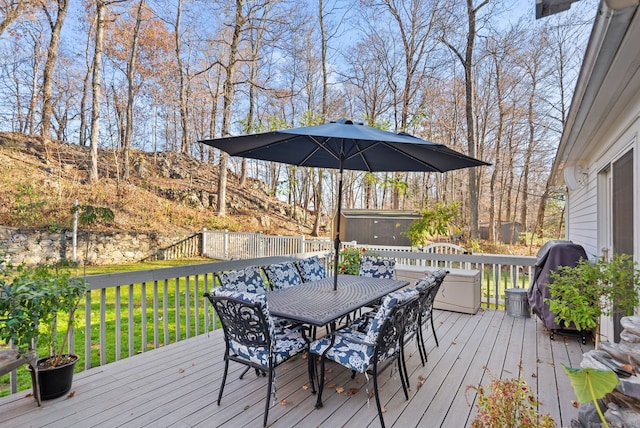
339 390
283 402
71 394
305 387
421 381
180 370
352 391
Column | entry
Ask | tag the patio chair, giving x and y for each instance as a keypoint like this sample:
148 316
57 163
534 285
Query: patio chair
426 313
251 337
371 351
248 279
282 275
377 267
311 269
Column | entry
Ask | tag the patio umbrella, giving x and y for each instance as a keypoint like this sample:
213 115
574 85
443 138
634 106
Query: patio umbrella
344 144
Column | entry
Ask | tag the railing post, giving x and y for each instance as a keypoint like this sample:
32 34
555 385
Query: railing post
203 249
225 244
302 249
259 246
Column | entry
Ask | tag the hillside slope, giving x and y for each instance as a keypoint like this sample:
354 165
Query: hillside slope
166 192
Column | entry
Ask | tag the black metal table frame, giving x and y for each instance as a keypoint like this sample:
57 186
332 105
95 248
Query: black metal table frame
318 304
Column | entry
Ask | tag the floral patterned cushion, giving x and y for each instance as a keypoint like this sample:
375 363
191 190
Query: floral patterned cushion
349 349
311 269
285 342
282 275
377 267
249 280
356 349
389 301
426 282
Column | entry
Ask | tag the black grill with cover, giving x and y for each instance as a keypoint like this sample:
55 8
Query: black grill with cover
550 256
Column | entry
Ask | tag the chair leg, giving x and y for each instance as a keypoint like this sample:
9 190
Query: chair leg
266 406
311 368
433 328
245 372
421 347
320 383
375 392
402 368
224 379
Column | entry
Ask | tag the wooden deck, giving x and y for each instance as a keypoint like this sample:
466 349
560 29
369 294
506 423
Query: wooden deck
178 385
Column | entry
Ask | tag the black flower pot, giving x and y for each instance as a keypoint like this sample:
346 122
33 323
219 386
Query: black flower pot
55 381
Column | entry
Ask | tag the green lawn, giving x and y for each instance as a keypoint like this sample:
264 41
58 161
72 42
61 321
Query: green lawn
133 295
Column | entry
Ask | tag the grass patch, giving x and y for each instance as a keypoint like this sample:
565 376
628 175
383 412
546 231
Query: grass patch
170 294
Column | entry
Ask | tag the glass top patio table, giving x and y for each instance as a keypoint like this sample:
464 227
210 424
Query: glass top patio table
318 304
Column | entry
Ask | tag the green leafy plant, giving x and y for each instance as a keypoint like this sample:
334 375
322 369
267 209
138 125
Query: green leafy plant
508 403
34 302
439 220
349 260
592 384
581 294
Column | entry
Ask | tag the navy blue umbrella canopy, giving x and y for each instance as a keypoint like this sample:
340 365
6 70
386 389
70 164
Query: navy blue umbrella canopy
344 144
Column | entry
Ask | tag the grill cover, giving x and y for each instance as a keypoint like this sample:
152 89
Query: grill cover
551 255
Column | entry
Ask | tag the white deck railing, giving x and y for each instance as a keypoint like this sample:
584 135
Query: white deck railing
153 308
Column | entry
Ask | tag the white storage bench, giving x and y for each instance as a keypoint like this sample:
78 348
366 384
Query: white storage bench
459 292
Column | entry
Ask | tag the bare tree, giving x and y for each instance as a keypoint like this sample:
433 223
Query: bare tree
52 55
96 90
466 58
131 65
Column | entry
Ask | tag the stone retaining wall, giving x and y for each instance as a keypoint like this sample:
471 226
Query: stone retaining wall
34 246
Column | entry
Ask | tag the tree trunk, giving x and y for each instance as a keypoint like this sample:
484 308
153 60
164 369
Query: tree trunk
184 146
52 56
228 90
131 65
96 87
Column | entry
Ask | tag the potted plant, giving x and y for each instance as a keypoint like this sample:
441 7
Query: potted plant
39 303
581 294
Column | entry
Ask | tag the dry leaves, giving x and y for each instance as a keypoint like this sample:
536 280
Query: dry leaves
331 385
283 402
352 391
305 387
340 390
421 381
180 370
575 404
453 342
71 394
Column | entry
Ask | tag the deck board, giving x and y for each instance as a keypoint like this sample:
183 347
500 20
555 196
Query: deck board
177 385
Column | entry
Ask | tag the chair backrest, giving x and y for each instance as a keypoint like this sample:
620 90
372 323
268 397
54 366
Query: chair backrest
390 303
392 329
428 287
282 275
377 267
244 316
311 269
248 280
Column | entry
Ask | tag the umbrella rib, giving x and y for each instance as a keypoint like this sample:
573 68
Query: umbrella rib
321 144
394 148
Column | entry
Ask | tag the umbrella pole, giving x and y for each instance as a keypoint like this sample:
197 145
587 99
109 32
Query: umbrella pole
337 240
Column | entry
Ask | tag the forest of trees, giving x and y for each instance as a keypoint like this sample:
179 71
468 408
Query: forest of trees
482 77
